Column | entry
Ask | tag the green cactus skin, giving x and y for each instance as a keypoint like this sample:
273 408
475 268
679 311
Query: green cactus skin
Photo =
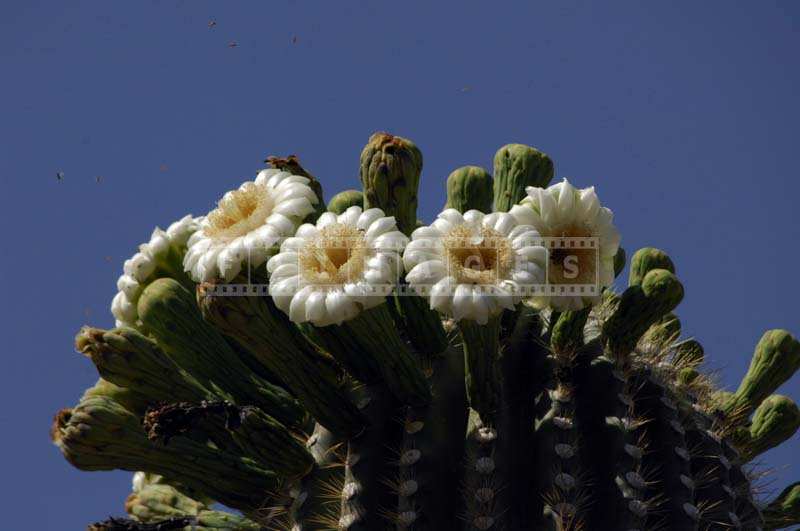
169 314
592 419
645 260
391 169
344 200
306 371
517 166
159 502
784 511
776 358
470 187
99 434
390 173
639 308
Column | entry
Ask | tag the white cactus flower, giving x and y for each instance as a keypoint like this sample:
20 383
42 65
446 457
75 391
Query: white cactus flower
330 272
472 266
247 225
141 267
559 211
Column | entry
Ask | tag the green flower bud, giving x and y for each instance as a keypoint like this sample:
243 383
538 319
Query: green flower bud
689 352
157 502
344 200
784 511
470 187
129 359
100 434
567 334
390 172
517 166
774 421
687 376
645 260
639 308
128 398
776 358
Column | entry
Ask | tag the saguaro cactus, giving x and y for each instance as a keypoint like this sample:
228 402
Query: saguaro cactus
348 367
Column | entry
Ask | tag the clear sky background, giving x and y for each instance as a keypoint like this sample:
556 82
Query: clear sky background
683 114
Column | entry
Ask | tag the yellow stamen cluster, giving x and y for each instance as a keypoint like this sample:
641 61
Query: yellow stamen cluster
477 259
336 256
240 212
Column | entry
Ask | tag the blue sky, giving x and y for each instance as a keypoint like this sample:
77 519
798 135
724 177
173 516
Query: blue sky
683 114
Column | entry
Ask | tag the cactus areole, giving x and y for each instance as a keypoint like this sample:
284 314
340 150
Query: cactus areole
347 366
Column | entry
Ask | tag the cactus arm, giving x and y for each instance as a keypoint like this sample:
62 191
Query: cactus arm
256 323
672 473
480 345
372 461
524 370
517 166
561 481
317 503
429 491
169 313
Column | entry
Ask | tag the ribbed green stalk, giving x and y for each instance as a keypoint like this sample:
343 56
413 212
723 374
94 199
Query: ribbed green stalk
480 344
169 313
99 434
129 359
372 335
308 373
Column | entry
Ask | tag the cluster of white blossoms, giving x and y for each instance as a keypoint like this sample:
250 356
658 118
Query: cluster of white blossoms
329 272
139 268
469 266
248 224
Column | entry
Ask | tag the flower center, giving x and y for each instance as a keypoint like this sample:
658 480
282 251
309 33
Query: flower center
240 212
572 264
335 256
477 257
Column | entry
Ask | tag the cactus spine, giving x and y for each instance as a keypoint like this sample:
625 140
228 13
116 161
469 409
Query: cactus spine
591 417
